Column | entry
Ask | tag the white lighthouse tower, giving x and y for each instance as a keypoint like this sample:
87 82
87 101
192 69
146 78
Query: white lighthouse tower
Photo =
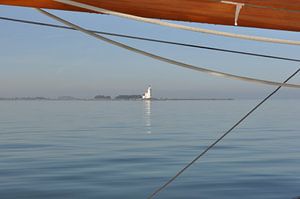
147 94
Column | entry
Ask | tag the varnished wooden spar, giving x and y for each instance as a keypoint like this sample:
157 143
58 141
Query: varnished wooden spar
272 14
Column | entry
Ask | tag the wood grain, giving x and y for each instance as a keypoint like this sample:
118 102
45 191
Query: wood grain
282 14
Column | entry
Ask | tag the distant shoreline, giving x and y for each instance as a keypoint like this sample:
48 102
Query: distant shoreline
194 99
82 99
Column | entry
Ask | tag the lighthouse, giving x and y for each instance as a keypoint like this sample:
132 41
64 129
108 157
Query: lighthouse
147 94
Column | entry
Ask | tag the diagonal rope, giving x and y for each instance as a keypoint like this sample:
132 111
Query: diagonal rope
166 60
156 192
177 26
186 66
154 40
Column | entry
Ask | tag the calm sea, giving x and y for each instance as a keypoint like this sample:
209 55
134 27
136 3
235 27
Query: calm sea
126 149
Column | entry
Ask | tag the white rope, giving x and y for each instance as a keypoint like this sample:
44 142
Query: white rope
238 7
163 59
178 26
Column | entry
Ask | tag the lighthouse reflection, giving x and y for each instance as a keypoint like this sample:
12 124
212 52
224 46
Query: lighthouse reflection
147 115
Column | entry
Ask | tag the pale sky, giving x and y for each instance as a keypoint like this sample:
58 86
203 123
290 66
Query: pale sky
42 61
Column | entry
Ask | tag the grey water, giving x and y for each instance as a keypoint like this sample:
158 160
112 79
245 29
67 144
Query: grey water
127 149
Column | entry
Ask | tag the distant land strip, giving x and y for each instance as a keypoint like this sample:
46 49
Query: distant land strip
107 98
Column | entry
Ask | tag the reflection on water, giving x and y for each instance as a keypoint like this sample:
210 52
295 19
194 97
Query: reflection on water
101 149
147 115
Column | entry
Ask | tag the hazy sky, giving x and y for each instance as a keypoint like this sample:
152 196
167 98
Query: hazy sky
41 61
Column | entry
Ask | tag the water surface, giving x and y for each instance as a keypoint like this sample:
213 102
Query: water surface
126 149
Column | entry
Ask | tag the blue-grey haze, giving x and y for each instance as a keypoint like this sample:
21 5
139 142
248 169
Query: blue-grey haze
40 61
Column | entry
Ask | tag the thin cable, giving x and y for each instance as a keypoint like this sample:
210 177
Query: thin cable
177 26
219 139
163 59
169 61
154 40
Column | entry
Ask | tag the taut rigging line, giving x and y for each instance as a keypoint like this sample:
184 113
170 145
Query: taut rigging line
177 26
280 85
161 188
155 40
166 60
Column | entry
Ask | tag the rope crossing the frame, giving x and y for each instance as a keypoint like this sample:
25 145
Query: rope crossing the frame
166 60
156 192
177 26
154 40
211 72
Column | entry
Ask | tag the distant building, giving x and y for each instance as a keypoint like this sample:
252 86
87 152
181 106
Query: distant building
147 94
